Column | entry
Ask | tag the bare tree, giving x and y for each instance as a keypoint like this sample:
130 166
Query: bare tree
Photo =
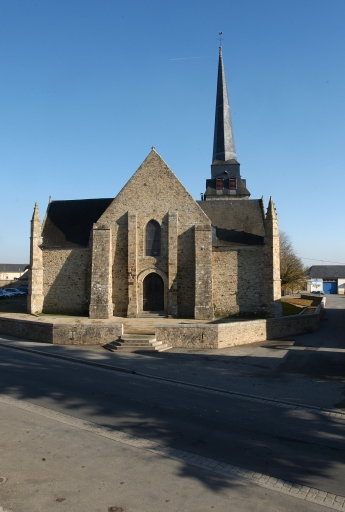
292 270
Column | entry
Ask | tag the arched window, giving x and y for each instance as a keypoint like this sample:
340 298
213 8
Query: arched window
153 239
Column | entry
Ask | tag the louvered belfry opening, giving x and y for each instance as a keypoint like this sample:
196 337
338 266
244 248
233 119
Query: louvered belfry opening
219 183
153 238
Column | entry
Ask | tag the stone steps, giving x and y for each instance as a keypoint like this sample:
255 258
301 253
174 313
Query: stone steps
136 342
152 314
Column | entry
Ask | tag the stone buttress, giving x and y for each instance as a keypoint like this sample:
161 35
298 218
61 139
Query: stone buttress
35 292
271 264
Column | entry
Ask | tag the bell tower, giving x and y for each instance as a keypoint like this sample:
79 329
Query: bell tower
226 181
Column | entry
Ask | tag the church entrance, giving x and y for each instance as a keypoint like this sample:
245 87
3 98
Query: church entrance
153 293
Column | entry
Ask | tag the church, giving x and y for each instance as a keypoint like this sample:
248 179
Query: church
154 249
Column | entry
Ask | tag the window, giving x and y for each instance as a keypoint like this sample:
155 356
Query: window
153 239
219 183
232 183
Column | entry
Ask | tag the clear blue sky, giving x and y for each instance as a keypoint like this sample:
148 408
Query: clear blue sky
87 87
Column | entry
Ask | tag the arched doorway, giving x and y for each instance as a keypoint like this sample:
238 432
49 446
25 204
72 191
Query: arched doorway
153 293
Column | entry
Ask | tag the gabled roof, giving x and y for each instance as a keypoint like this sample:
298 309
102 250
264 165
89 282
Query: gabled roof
236 222
327 271
13 267
70 222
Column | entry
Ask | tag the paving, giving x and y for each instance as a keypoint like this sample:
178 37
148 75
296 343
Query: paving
301 492
300 373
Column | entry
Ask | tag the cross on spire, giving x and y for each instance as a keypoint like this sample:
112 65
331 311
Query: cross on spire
220 39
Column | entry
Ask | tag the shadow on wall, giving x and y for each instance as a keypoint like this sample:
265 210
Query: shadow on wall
186 274
237 282
66 281
120 267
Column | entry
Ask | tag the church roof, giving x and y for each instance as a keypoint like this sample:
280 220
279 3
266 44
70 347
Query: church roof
223 142
237 222
70 222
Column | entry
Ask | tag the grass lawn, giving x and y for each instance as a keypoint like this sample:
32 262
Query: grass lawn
295 306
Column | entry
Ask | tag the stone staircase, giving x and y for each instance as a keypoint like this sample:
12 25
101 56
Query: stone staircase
136 342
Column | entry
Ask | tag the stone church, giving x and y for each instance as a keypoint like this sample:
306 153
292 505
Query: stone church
147 250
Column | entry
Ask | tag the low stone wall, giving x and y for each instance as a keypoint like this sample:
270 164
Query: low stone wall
60 334
36 331
86 334
204 336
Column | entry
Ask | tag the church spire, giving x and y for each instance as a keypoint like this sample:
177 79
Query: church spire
223 143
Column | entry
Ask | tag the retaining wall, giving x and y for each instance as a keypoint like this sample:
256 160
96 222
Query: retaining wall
60 334
203 336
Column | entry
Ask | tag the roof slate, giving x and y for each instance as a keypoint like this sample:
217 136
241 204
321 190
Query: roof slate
70 222
327 271
13 267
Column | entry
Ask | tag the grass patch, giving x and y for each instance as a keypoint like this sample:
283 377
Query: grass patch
295 306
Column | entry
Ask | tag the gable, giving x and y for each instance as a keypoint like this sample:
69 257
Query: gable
152 191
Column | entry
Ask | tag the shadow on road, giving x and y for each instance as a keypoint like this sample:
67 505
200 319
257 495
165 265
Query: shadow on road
296 445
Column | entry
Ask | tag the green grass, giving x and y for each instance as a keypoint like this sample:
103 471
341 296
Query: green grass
295 306
291 309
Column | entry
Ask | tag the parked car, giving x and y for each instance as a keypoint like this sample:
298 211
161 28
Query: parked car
5 295
13 292
18 292
23 288
317 292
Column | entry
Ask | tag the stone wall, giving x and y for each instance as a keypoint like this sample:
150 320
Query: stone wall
205 336
60 334
153 193
237 281
66 280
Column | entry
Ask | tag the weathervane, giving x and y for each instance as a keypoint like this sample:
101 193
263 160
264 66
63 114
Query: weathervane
220 39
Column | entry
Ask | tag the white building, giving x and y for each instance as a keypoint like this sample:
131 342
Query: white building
329 279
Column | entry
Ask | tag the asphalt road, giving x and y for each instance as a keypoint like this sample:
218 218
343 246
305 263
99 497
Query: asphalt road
304 447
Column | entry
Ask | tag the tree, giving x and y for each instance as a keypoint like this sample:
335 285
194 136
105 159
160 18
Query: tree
292 271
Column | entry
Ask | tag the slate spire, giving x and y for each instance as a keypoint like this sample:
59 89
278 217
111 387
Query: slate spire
223 143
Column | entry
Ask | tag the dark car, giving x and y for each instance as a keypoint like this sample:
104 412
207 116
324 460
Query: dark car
14 292
5 295
23 288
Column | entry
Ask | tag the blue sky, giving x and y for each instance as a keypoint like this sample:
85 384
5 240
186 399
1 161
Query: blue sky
88 87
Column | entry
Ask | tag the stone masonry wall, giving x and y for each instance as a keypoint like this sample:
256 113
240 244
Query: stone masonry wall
151 193
205 336
66 281
60 334
237 278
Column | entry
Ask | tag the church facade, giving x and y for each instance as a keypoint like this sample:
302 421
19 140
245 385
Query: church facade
165 252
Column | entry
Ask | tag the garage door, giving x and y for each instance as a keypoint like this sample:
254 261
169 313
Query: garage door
330 287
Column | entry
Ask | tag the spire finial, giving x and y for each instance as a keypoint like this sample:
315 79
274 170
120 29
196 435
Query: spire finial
220 39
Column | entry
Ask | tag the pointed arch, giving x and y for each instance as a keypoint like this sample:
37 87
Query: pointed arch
153 239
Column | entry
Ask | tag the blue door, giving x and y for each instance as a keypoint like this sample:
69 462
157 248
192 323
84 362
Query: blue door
329 287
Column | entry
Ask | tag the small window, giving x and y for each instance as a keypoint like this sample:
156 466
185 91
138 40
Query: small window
153 239
232 183
219 183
